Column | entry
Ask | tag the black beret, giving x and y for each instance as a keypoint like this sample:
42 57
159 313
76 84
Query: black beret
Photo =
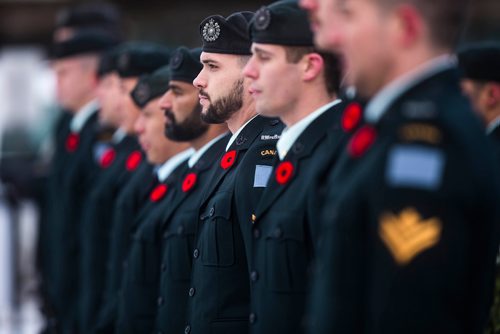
82 42
185 64
481 61
88 15
151 86
282 23
226 35
137 58
107 63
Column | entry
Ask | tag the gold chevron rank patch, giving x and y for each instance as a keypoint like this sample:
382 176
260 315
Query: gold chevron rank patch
406 234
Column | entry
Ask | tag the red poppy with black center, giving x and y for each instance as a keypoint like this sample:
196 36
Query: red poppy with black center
158 193
189 182
351 117
362 140
108 157
133 161
284 172
72 142
228 159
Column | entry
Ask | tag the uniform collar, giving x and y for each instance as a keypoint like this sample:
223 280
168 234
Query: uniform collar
493 125
78 121
236 134
171 164
381 102
290 135
198 154
118 136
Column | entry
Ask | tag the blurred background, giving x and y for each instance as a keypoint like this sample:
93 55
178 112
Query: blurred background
28 109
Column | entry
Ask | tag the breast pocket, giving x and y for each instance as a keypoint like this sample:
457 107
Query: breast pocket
286 255
143 261
216 232
178 246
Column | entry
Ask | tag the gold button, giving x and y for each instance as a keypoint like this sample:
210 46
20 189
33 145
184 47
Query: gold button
254 218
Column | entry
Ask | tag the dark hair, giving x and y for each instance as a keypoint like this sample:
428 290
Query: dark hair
332 67
446 18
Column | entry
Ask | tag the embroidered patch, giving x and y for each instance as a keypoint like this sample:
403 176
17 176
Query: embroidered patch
416 167
262 174
421 132
269 137
406 234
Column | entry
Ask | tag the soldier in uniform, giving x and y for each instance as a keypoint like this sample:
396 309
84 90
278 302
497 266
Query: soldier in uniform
219 291
411 218
481 83
294 82
178 222
139 283
132 61
479 63
75 64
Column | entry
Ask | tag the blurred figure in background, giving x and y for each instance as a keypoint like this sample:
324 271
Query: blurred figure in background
134 60
480 64
75 63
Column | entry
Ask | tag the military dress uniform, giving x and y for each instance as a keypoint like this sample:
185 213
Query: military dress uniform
410 221
178 233
118 164
219 292
139 287
285 229
129 203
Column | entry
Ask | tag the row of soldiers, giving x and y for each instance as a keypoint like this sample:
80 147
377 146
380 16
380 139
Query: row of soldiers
241 189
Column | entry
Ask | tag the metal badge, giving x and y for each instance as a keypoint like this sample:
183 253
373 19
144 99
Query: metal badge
211 31
262 18
142 93
123 61
177 59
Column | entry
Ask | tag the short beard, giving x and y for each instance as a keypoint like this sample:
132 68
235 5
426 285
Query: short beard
191 128
222 109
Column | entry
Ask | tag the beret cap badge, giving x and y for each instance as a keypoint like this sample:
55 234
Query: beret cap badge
211 31
142 93
123 61
262 18
176 61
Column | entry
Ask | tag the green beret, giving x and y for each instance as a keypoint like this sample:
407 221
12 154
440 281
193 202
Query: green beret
82 42
137 58
226 35
151 86
282 23
185 64
480 61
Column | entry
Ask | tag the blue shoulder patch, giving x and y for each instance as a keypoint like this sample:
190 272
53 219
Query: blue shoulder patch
415 167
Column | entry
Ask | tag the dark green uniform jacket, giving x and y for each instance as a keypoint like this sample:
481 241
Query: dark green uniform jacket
286 226
178 232
75 182
139 287
219 292
411 228
117 168
129 203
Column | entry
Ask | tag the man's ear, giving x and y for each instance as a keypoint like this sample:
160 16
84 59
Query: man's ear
313 65
410 25
492 95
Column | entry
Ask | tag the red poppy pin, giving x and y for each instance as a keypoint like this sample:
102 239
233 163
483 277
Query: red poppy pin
351 117
108 157
189 182
133 161
158 193
362 141
284 172
228 159
72 142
